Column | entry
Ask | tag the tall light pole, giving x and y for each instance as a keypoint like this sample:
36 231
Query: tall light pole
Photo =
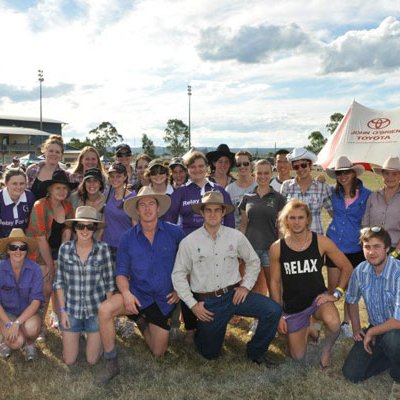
41 79
189 92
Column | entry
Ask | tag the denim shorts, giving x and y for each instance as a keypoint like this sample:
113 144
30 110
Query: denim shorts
77 325
264 257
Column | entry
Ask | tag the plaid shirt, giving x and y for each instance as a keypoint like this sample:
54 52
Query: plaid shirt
85 285
316 197
33 171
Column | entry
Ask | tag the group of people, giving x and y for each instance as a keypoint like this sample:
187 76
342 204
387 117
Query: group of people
146 236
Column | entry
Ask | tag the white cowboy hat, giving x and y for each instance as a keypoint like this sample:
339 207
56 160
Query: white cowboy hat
85 214
300 153
163 200
344 164
390 164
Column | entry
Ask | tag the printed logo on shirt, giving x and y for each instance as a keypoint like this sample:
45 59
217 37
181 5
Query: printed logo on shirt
190 202
300 267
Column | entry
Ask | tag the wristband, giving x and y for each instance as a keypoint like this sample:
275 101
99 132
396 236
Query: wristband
339 289
8 324
394 253
62 310
337 294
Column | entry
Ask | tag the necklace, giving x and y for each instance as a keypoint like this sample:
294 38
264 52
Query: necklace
298 247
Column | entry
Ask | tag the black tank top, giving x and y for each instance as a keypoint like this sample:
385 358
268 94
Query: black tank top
301 273
37 190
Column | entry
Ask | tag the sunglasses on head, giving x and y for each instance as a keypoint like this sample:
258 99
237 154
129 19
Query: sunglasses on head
344 172
303 165
375 229
123 154
158 170
244 163
15 247
81 227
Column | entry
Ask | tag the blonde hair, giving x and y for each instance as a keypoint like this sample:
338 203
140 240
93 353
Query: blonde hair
78 168
53 139
195 155
293 204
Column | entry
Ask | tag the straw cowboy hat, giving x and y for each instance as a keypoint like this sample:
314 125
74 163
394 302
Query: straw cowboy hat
17 235
300 153
59 176
344 164
85 214
215 198
163 200
390 164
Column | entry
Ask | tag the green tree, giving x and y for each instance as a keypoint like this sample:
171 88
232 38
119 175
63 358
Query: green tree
176 135
334 122
79 145
317 141
104 136
148 146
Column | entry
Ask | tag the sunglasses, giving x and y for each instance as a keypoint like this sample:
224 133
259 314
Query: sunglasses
15 247
375 229
123 154
81 227
159 170
344 172
303 165
244 163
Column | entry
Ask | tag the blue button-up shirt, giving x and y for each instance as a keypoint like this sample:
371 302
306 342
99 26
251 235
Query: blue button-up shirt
16 296
381 292
148 266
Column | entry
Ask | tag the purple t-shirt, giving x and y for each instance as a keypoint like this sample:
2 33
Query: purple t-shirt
117 222
14 215
181 206
15 296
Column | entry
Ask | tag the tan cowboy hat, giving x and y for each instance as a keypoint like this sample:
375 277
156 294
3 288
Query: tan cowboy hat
300 153
212 198
85 214
390 164
163 200
17 235
344 164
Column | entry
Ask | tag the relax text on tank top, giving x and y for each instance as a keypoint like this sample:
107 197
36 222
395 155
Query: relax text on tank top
302 279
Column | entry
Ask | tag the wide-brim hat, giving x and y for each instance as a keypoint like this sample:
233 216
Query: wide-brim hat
86 214
390 164
300 153
17 235
223 150
214 197
163 200
344 164
59 176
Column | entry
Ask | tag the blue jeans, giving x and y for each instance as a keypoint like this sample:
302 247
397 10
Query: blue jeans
360 365
210 335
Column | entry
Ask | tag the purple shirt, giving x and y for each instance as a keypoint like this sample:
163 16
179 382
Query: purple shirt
14 215
15 296
117 221
148 266
181 206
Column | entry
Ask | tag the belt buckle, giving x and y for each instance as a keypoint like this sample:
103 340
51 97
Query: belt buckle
218 295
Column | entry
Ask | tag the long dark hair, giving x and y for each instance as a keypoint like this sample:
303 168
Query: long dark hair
353 188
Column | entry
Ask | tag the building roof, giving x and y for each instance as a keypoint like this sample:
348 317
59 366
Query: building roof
32 119
12 130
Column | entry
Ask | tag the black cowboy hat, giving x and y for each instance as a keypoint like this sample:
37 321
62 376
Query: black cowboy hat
222 151
59 176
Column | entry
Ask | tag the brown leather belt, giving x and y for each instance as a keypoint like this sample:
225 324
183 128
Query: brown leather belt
216 293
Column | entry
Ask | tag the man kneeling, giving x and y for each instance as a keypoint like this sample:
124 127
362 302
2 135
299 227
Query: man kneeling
145 259
209 257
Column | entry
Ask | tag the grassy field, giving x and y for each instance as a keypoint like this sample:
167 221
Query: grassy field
182 374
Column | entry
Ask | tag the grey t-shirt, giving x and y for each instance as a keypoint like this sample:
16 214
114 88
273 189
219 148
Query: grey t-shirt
262 214
236 192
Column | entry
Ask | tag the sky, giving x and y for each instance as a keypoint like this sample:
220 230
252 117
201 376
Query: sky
263 73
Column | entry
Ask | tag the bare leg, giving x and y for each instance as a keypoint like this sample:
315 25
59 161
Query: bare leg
297 342
31 328
157 339
70 347
94 347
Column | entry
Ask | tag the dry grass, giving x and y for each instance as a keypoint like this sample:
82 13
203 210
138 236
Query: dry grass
183 374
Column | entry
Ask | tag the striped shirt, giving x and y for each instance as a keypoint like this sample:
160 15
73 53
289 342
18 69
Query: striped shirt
381 293
316 197
85 284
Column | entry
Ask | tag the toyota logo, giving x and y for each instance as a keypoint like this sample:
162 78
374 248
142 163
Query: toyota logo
378 123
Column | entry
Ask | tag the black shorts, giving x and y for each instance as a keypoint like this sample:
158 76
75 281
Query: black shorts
354 258
153 315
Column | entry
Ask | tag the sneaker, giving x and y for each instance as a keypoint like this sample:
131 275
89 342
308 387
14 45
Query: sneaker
395 393
110 371
30 352
5 351
253 328
346 331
